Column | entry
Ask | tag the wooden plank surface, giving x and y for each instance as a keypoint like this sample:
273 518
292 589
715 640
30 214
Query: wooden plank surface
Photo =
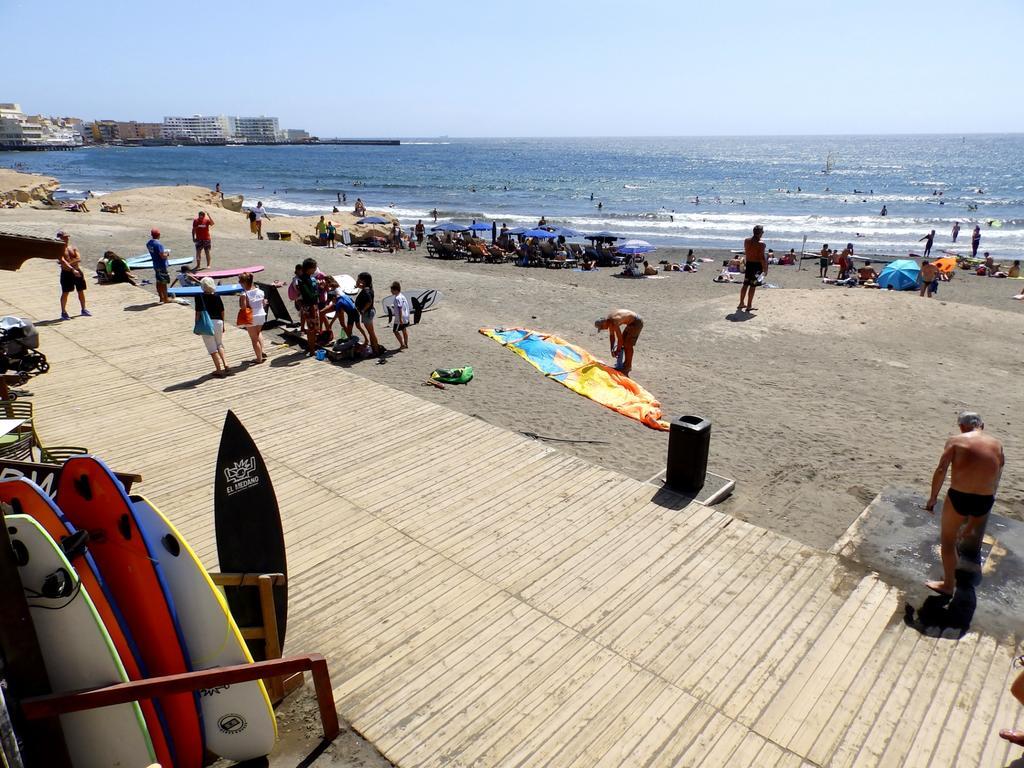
503 603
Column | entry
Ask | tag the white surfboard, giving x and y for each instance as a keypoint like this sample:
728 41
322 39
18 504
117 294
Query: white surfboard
347 284
238 719
77 652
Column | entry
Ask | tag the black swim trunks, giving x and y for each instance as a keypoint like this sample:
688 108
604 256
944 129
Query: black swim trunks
970 504
70 282
750 273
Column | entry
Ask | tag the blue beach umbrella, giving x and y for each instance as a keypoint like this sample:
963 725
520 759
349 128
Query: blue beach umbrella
542 233
449 226
372 220
900 275
479 226
517 231
635 247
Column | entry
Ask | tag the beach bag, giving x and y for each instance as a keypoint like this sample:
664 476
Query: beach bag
453 375
244 314
204 325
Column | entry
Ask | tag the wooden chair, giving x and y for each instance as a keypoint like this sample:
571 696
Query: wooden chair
13 445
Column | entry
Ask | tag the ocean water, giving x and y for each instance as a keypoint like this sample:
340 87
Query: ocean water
682 191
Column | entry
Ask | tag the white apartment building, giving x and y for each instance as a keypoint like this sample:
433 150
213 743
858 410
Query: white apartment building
20 130
200 128
257 128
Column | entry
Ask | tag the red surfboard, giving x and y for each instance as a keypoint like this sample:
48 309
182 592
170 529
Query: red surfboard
92 499
27 498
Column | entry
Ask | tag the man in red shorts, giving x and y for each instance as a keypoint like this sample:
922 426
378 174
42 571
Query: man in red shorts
201 237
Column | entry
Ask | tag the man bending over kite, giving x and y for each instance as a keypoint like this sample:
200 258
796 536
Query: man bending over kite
623 326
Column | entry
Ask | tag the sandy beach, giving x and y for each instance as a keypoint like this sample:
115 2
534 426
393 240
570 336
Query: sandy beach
818 399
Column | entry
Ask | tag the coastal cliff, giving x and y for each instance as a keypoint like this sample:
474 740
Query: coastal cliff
26 187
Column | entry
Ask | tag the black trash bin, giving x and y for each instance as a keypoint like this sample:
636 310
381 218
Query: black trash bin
689 439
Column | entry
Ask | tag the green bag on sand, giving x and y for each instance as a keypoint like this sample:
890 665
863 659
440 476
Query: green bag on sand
453 375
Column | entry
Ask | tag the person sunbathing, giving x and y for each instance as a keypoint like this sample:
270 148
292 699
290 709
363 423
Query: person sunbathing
649 270
725 276
11 204
116 208
867 273
77 207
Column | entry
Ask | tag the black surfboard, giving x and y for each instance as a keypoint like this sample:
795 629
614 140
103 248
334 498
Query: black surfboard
248 526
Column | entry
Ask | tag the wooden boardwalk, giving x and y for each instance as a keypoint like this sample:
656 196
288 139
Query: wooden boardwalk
486 600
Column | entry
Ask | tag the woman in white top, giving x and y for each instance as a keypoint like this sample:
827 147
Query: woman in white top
252 297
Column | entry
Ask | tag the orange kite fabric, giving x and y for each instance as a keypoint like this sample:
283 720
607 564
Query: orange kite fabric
581 372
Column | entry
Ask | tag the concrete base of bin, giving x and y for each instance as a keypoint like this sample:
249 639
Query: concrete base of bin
716 488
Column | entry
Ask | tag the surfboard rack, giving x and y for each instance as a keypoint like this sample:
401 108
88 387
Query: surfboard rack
54 704
279 686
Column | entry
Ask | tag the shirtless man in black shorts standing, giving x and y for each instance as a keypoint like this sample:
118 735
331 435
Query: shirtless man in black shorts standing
977 461
756 263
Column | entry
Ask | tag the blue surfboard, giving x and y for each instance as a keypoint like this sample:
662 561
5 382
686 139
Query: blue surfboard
195 290
145 262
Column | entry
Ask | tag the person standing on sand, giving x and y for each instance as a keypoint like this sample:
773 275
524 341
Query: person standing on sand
975 241
364 305
161 274
400 318
956 230
756 264
321 231
420 231
622 340
201 237
977 460
71 277
928 240
824 257
929 279
260 214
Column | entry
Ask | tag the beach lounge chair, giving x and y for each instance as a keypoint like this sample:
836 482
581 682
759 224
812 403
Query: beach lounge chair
476 252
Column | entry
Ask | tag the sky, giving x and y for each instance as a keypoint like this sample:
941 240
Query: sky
385 68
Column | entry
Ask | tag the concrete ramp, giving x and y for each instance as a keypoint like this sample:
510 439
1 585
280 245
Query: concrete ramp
898 539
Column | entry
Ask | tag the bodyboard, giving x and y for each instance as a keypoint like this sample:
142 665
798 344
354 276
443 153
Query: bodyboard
248 527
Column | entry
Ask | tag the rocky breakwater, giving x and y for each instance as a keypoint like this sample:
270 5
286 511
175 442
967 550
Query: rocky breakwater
26 187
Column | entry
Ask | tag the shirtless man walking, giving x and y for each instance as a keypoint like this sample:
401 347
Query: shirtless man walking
929 279
977 461
756 263
622 340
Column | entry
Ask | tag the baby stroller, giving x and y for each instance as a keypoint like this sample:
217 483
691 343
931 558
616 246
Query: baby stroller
19 345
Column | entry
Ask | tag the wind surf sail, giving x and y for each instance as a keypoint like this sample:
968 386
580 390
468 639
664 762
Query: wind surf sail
577 369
